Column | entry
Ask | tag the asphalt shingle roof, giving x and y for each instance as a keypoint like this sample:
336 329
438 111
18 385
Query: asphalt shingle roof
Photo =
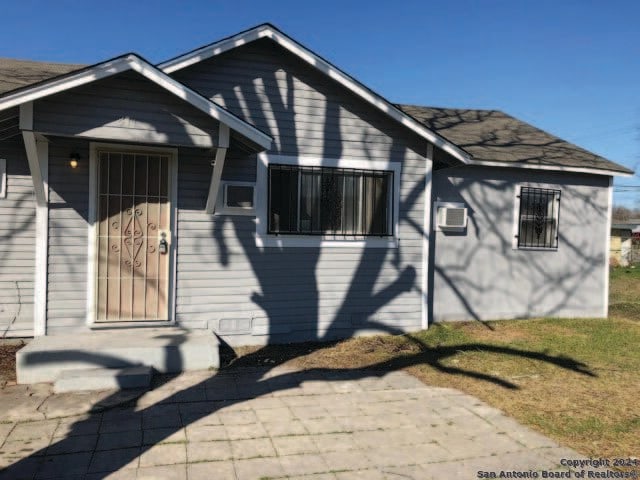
494 136
486 135
20 73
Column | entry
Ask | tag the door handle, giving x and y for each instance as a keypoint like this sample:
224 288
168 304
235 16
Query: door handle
163 245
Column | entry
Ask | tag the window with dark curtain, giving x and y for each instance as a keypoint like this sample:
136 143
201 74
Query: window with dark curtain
334 201
538 218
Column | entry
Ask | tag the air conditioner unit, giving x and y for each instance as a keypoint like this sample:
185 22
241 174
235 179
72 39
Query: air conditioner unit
451 216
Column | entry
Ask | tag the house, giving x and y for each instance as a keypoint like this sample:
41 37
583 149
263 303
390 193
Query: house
625 243
253 189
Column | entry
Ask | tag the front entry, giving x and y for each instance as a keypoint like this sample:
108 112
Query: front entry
133 235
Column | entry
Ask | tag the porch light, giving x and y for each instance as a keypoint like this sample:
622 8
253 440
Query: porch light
73 159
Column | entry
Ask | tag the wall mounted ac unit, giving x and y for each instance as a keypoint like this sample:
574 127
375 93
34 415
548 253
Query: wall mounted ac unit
450 216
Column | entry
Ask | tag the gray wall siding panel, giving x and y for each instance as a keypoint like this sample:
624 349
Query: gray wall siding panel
225 281
305 112
68 237
126 107
479 276
17 243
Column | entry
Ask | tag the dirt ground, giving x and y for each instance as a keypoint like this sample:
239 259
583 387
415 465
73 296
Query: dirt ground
8 349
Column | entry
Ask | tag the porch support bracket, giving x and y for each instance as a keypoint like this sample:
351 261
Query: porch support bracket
216 174
37 150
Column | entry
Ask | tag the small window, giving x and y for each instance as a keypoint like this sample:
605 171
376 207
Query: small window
3 178
538 215
236 198
330 201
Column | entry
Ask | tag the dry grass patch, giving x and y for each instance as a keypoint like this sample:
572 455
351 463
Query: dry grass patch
597 415
575 380
8 349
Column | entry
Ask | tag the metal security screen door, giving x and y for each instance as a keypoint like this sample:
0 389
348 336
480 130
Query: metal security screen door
133 258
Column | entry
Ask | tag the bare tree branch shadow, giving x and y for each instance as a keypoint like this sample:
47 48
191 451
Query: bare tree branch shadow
252 383
214 392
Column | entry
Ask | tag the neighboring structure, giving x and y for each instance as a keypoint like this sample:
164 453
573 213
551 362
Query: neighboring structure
625 243
328 211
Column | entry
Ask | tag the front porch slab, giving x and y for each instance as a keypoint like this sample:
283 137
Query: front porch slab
167 350
103 379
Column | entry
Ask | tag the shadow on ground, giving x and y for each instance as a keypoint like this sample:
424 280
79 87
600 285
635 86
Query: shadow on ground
237 382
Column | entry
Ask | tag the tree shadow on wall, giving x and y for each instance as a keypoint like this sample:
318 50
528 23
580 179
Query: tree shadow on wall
379 278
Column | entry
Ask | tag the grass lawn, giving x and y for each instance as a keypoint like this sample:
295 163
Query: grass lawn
575 380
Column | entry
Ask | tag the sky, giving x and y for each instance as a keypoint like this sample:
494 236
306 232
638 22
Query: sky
569 67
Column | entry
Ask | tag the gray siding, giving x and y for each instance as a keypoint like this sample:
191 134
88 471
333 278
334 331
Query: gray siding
68 236
251 295
17 243
477 275
126 107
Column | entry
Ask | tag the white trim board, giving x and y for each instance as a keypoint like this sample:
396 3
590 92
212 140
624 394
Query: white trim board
218 166
426 236
42 246
317 62
137 64
3 178
607 254
94 148
263 239
555 168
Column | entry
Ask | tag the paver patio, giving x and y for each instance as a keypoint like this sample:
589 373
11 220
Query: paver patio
272 423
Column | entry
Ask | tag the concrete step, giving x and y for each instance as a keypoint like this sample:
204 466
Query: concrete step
103 379
166 350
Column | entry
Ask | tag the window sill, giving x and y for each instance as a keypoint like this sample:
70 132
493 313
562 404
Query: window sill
301 241
244 212
538 249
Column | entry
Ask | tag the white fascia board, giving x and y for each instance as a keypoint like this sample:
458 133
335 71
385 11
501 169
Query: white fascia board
555 168
265 31
137 64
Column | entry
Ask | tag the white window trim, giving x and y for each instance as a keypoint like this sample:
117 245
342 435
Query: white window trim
516 216
221 201
263 239
3 178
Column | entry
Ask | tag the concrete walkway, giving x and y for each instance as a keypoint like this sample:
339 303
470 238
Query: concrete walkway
278 423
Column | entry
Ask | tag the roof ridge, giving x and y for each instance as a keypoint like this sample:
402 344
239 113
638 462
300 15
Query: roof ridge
209 44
